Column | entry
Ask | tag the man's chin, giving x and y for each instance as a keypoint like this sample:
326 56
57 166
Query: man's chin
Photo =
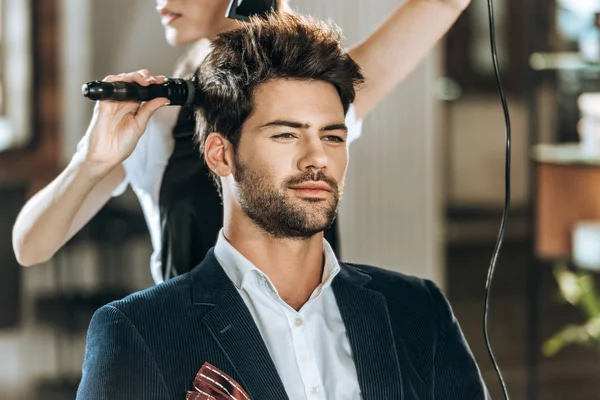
306 232
317 225
296 228
316 216
311 225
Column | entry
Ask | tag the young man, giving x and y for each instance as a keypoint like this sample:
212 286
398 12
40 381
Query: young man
270 305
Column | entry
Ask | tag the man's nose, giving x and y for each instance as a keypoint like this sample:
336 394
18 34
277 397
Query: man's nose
313 156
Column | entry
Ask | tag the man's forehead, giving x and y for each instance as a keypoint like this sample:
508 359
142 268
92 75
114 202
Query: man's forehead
278 85
296 99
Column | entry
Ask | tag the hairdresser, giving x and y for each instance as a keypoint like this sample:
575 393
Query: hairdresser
151 147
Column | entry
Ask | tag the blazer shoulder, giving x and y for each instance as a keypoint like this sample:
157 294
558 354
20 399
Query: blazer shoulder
380 275
157 298
394 284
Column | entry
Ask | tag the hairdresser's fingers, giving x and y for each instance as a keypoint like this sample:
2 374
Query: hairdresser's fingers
147 75
144 72
146 110
113 78
136 77
140 79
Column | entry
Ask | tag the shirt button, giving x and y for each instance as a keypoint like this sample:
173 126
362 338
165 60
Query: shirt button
299 322
315 391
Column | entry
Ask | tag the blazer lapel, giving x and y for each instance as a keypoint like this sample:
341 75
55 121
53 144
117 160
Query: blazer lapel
234 329
369 330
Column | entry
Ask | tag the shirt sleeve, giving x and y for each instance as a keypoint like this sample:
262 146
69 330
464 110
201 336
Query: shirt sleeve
354 125
120 189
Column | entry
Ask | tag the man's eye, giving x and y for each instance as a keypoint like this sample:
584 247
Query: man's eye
333 138
284 136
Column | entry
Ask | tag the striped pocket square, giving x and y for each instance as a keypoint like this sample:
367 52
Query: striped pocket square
213 384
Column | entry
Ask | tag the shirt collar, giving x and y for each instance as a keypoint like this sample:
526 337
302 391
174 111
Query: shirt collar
239 269
331 267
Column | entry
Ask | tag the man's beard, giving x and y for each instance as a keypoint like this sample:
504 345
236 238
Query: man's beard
279 214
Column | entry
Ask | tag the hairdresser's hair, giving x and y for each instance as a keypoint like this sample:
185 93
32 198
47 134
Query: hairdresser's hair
281 46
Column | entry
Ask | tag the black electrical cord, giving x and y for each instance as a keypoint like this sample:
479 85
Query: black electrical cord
490 276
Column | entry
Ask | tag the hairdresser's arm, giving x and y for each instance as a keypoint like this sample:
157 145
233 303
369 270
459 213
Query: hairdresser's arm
399 44
57 212
51 217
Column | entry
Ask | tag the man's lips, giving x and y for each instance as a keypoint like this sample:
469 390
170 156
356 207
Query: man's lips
313 187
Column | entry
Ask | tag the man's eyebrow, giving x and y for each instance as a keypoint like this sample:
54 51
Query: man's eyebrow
289 124
298 125
336 127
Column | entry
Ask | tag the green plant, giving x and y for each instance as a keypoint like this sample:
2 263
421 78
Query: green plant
578 289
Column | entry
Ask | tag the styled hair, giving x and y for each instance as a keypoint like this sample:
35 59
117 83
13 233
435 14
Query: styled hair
280 46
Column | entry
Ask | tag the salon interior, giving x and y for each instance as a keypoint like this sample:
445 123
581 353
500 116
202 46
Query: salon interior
425 191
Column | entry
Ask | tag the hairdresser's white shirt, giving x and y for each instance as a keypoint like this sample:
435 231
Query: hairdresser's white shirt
309 347
145 167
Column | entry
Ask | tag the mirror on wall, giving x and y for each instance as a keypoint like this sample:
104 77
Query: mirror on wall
16 76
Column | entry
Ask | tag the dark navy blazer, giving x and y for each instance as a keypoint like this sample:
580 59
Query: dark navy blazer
405 341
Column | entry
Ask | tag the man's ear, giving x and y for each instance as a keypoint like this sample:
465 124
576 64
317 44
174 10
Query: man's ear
218 153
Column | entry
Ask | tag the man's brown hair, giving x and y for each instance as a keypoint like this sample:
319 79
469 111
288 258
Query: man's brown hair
281 46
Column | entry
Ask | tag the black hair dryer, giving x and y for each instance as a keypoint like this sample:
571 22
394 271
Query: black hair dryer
243 9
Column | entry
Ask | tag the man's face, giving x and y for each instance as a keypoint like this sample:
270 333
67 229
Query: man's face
292 157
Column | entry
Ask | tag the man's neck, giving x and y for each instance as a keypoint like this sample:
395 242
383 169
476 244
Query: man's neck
294 266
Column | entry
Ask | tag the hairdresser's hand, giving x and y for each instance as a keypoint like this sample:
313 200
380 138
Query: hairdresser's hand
117 126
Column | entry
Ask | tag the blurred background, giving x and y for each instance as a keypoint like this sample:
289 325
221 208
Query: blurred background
424 194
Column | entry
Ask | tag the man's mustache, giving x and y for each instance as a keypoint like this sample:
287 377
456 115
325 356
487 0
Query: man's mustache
313 176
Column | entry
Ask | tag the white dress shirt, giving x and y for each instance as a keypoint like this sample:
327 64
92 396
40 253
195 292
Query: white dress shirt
309 347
